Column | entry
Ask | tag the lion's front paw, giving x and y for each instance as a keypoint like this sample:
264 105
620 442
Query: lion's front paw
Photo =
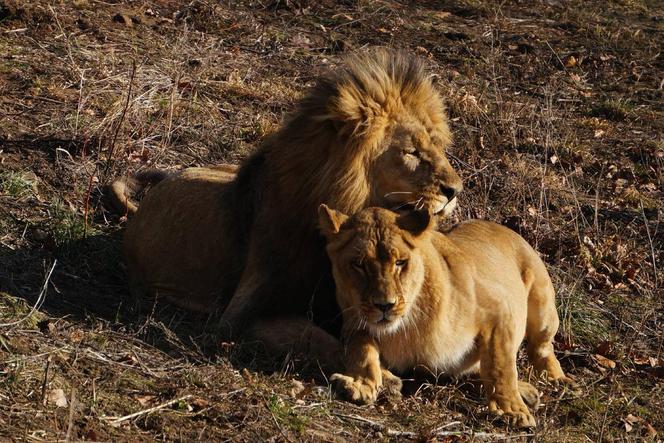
392 384
514 410
357 390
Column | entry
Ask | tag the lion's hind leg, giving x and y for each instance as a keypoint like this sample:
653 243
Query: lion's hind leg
542 325
529 394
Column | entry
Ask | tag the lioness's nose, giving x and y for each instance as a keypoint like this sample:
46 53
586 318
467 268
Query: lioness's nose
385 307
449 191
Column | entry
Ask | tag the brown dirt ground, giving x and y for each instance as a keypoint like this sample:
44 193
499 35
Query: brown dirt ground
558 112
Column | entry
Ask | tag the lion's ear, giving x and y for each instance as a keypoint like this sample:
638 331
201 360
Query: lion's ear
416 221
330 221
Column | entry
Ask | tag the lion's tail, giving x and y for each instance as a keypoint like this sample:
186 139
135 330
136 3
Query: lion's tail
126 192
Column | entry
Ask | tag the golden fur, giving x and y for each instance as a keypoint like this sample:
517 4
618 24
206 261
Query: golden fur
456 302
372 133
173 249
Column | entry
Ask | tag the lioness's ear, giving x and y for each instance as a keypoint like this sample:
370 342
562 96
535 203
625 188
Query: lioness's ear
416 221
329 220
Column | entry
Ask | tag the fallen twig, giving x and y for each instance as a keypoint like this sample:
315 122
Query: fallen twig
114 421
438 432
70 426
45 382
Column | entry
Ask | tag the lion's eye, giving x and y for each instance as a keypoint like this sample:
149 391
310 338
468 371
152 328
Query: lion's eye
358 265
401 263
411 160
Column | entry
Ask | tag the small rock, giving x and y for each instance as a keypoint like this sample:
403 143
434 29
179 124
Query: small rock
57 397
39 234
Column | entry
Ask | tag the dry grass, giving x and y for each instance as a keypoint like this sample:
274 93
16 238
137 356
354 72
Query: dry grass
557 111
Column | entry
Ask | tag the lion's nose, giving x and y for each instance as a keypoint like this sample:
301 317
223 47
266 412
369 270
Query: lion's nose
449 191
385 307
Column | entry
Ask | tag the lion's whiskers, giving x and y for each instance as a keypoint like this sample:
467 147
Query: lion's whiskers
397 192
414 203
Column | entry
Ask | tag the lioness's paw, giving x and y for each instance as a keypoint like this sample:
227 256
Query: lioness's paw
514 411
360 390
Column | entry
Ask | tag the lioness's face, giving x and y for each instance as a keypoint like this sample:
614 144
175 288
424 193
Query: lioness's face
413 171
377 266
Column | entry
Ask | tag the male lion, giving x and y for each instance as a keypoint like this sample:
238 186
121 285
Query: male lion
372 133
456 302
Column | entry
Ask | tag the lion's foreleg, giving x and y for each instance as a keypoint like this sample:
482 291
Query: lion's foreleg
364 374
283 335
249 299
498 347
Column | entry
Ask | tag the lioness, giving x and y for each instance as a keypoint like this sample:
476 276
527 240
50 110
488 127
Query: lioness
371 133
457 302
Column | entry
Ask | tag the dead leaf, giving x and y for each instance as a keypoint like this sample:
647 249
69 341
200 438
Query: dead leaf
76 336
633 419
249 378
628 427
199 403
570 61
553 159
630 421
599 133
605 362
58 398
651 431
422 50
146 400
442 14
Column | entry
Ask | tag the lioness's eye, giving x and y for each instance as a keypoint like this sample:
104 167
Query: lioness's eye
401 263
358 265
